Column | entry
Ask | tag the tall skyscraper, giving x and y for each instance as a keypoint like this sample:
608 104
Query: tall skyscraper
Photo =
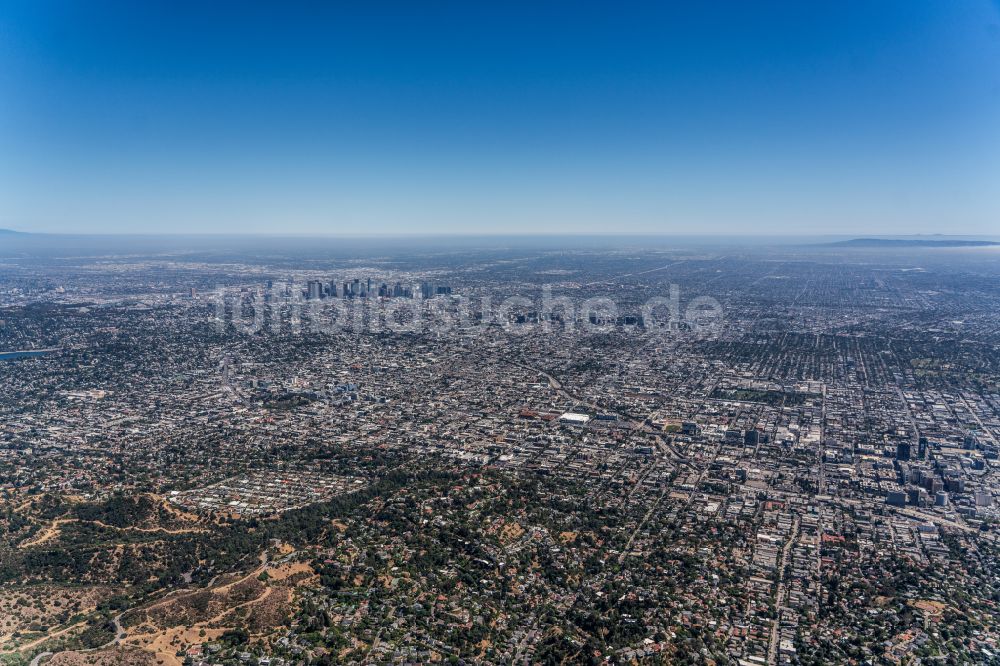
315 289
903 451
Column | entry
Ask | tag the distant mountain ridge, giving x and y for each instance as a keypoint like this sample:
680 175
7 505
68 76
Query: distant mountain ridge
911 242
11 232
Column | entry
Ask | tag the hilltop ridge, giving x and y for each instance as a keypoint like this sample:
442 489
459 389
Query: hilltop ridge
911 242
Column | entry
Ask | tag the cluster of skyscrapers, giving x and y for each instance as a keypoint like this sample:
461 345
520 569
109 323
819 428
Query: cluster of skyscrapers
356 288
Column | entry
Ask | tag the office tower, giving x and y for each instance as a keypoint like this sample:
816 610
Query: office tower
896 498
903 451
315 289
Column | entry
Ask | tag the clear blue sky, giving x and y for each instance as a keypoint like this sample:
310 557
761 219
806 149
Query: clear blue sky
873 116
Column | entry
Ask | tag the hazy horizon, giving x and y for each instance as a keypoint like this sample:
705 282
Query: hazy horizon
497 234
